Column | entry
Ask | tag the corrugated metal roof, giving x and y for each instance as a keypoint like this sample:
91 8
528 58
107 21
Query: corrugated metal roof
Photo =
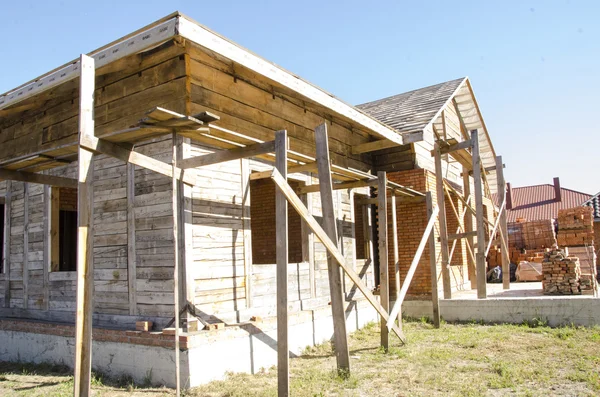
594 202
538 202
413 110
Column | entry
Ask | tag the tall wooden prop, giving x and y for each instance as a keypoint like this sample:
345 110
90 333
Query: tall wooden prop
281 229
85 248
340 338
439 183
478 187
384 278
469 226
176 218
435 300
396 251
503 233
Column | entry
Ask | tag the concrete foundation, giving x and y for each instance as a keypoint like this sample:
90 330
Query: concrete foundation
209 354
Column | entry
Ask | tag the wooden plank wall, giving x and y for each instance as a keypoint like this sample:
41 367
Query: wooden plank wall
155 78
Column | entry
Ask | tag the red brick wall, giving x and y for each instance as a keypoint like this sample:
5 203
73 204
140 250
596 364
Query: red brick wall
262 224
412 220
597 244
358 227
68 199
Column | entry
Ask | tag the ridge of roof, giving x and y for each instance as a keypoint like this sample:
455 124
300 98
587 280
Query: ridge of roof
413 91
550 185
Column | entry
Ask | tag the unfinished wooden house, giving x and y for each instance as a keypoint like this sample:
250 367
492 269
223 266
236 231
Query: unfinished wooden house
138 184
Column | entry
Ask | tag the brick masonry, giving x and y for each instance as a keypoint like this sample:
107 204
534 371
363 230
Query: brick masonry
412 220
262 221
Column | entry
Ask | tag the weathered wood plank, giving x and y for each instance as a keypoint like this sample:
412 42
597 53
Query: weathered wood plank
340 336
443 228
6 243
85 247
131 252
480 254
384 281
37 178
281 227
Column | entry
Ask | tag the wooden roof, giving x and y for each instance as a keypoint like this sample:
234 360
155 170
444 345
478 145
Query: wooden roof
419 111
179 25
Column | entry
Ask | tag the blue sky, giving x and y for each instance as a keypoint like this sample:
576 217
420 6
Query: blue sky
534 65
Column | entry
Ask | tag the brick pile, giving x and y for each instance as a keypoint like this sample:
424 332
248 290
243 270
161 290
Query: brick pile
515 235
561 274
576 227
587 259
539 234
523 255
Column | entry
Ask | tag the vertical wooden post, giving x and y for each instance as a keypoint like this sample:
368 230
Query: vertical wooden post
503 232
184 243
435 301
281 228
439 183
247 232
396 253
308 241
384 281
131 255
47 242
85 236
176 260
25 245
469 226
368 233
480 254
6 248
340 337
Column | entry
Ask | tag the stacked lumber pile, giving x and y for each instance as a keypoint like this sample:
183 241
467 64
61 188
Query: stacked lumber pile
576 227
587 258
561 274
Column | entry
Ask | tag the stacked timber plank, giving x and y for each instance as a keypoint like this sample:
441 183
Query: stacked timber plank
561 273
576 227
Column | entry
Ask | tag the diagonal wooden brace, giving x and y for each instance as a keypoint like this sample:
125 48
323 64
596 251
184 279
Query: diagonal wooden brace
295 201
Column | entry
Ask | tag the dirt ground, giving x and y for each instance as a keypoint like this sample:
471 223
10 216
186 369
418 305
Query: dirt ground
456 360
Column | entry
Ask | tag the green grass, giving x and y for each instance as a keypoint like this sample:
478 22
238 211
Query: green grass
470 359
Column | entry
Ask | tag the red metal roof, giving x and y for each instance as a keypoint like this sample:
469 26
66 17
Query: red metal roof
538 202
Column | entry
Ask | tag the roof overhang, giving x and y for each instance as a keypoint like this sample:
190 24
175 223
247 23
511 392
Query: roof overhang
178 25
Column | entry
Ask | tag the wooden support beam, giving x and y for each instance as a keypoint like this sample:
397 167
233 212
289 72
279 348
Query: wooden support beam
459 196
435 300
396 253
495 228
6 242
384 282
131 250
501 184
247 231
85 238
443 230
308 242
308 167
25 245
31 177
458 236
413 265
340 336
480 254
329 245
368 201
176 207
373 146
47 243
466 235
454 147
281 229
338 186
228 155
469 227
129 156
